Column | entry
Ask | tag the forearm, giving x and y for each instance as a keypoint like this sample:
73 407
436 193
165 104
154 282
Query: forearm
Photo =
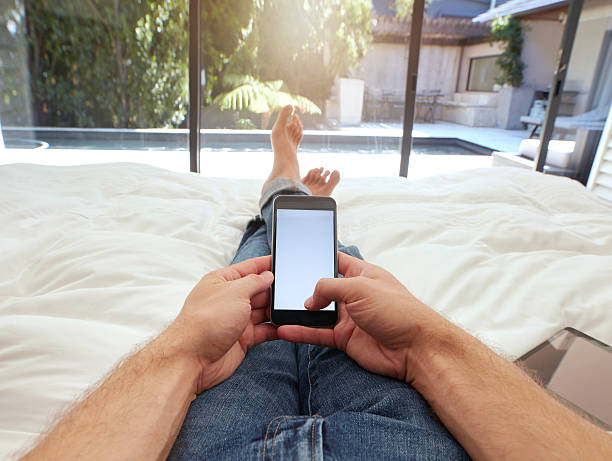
494 409
135 414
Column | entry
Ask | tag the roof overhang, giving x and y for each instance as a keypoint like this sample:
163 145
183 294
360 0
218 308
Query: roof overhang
439 31
520 8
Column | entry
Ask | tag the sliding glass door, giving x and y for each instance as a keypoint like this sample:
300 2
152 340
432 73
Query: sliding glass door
581 93
94 82
327 58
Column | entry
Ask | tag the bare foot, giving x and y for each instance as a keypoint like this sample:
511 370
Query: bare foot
286 136
318 182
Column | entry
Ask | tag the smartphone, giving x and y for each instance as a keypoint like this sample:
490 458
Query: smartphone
578 369
304 250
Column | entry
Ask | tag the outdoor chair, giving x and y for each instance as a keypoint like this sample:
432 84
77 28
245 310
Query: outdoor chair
592 120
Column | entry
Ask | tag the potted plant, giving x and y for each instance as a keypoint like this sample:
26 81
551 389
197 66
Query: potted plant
514 99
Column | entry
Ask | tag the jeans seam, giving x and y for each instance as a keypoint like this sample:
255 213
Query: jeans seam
263 457
309 382
274 436
312 437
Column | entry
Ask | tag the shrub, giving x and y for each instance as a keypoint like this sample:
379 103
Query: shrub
508 30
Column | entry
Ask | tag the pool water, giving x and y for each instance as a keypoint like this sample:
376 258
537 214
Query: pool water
369 146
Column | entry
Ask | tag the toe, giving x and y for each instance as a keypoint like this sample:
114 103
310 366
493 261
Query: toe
283 115
296 134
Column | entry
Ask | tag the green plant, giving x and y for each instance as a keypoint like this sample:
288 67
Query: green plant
403 8
509 31
248 93
226 26
106 63
305 43
14 92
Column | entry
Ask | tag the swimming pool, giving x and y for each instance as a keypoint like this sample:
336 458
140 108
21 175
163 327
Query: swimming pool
215 141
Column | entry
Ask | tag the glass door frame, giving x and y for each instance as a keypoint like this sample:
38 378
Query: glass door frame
554 98
195 8
416 27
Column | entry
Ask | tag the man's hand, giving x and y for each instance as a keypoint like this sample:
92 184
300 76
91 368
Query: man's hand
378 318
221 319
491 407
137 412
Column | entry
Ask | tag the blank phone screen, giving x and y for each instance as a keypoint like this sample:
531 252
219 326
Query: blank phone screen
304 254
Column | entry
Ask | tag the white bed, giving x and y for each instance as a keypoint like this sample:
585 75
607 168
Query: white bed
96 259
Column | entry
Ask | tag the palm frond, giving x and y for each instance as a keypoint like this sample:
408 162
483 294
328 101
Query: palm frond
306 105
244 97
259 97
275 85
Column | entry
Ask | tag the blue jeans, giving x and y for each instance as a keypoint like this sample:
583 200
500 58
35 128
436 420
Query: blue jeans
297 401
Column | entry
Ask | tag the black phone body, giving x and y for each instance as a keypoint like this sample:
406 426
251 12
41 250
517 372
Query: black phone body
578 369
304 250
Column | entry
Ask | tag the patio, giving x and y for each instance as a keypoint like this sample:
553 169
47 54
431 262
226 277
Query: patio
493 138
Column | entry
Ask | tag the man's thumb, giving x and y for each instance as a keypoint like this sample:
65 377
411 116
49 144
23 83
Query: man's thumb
328 290
252 284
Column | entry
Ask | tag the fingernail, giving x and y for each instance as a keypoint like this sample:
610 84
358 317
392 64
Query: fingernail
268 275
308 303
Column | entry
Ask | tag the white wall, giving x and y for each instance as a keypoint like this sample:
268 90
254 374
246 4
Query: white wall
385 66
438 67
595 20
540 48
541 42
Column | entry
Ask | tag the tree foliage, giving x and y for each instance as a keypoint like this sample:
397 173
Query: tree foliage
509 31
225 27
15 106
306 44
125 64
107 63
403 8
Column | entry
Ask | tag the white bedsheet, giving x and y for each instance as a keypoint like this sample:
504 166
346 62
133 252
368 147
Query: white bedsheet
96 259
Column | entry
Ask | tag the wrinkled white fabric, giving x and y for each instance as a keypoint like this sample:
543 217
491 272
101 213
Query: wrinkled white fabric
97 259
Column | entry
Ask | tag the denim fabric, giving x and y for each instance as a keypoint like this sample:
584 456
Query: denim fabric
282 185
298 401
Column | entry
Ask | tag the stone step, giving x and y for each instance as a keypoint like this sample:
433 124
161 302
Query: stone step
477 98
469 114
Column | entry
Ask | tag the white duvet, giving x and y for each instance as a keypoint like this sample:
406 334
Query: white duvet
96 259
